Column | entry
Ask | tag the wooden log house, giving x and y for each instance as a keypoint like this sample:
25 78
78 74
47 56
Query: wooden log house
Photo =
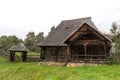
77 40
18 48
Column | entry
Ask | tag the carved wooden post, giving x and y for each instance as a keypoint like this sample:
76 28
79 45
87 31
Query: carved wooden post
69 52
12 55
85 49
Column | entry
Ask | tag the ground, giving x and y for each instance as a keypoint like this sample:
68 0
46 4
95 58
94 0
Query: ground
31 71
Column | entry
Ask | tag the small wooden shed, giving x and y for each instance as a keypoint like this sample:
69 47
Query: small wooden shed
18 48
76 40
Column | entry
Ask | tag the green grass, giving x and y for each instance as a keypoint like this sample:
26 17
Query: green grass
33 53
31 71
29 53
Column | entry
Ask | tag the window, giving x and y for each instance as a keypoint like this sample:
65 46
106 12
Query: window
53 52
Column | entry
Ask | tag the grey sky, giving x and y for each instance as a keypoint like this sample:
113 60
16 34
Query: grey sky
22 16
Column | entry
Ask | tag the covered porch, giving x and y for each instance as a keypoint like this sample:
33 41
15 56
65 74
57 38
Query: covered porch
86 44
88 51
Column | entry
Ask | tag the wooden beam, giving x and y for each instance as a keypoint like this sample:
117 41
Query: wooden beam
89 42
69 52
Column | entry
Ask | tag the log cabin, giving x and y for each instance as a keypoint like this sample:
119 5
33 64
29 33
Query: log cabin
77 40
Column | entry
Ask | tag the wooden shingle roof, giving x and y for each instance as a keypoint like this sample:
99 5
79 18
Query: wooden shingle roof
20 47
65 29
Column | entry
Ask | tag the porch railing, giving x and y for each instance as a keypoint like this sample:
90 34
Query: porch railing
89 58
78 58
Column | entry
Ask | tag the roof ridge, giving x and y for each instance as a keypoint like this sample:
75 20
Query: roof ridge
76 19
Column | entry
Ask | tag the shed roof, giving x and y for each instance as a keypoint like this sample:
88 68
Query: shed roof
65 29
20 47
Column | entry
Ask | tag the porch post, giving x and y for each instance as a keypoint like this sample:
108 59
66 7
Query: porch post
24 56
57 53
105 52
12 55
69 52
44 53
41 54
85 49
105 49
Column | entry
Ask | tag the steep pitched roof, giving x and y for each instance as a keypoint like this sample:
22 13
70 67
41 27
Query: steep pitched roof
65 29
20 47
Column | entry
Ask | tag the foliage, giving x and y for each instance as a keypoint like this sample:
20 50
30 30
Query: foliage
32 40
111 59
38 39
115 35
52 29
29 53
7 41
117 42
31 71
115 30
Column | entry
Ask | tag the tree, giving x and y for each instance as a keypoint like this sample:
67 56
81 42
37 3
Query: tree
114 30
14 39
30 36
52 29
39 37
8 41
30 40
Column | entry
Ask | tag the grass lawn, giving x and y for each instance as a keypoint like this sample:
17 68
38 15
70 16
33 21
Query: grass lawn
29 53
31 71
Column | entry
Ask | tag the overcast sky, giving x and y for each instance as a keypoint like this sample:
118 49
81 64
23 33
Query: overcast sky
22 16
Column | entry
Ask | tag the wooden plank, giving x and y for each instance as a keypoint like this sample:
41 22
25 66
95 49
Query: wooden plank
82 42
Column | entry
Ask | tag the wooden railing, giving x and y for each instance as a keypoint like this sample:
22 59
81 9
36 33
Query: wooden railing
89 58
78 58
